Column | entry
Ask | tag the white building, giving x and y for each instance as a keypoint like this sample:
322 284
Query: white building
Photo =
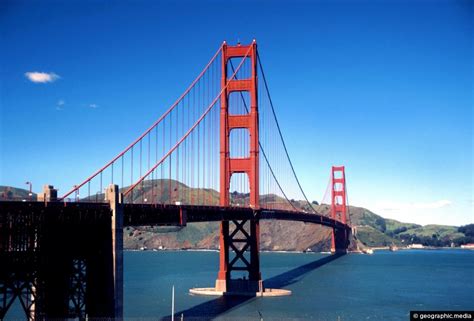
415 246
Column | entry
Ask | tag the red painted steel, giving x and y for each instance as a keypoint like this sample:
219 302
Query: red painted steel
339 239
338 193
230 166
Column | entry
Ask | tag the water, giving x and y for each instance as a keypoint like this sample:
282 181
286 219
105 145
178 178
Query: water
383 286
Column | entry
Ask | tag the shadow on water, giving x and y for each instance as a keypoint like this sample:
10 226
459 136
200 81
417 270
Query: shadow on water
213 308
296 274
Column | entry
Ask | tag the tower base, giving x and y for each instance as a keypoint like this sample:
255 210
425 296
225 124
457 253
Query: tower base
239 286
340 240
216 292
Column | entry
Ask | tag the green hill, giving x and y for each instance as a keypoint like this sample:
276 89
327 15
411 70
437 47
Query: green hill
372 237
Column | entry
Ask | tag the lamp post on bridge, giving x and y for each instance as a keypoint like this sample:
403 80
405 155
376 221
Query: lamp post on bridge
30 194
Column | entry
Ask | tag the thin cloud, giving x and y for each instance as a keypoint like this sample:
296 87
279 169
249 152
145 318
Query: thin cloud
432 205
93 106
41 77
395 206
60 104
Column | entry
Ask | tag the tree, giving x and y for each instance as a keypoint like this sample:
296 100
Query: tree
380 222
467 230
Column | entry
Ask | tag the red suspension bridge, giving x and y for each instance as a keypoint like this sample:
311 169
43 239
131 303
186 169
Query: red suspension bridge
217 154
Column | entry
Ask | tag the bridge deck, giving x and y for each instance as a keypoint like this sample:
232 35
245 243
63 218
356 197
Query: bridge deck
148 214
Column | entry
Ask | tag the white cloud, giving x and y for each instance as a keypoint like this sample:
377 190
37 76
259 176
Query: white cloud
434 212
94 106
60 104
441 211
433 205
397 206
41 77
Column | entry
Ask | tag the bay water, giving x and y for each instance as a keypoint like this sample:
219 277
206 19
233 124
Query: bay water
382 286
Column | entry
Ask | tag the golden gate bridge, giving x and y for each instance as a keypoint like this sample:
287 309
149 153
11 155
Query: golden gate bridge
217 154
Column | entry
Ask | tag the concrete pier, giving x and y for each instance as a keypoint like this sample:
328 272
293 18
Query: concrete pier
263 293
62 260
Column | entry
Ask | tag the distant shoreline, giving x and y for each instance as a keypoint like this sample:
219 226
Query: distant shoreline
429 248
303 252
215 250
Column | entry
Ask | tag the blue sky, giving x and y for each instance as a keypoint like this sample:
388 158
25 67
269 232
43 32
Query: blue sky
383 87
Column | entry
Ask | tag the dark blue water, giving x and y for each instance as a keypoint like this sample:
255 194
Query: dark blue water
383 286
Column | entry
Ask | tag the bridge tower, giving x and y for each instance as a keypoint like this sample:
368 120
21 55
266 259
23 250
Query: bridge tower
239 236
340 237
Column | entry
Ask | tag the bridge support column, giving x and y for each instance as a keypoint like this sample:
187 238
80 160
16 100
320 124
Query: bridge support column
340 240
104 270
243 240
115 201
